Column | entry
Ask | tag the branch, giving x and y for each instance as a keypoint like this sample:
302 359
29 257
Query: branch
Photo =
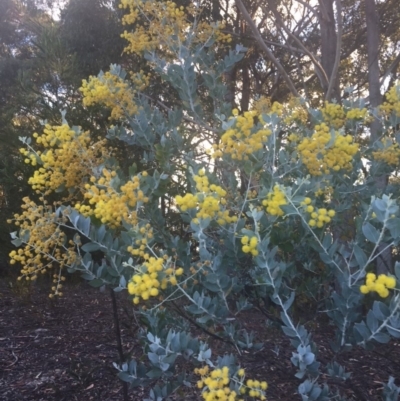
392 66
187 119
270 42
199 326
338 49
300 44
261 42
308 7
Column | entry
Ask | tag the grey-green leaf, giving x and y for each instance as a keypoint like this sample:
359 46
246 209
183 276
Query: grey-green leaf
370 232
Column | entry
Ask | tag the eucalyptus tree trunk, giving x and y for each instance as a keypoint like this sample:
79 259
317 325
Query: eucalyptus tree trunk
329 41
384 261
373 31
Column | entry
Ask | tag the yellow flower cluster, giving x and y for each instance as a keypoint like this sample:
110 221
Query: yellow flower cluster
321 159
209 208
189 201
216 385
140 80
208 200
274 200
381 285
392 103
112 92
390 154
262 105
295 112
357 114
252 194
220 36
250 245
333 115
293 138
327 191
68 157
243 139
256 388
153 275
45 247
164 23
292 111
318 216
146 235
277 108
30 157
109 205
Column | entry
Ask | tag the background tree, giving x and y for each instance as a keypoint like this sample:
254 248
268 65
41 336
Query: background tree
42 64
308 42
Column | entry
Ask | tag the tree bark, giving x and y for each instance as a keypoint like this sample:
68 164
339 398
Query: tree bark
230 79
245 100
373 32
328 44
384 261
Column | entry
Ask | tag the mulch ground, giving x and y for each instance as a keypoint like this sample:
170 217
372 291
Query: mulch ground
64 350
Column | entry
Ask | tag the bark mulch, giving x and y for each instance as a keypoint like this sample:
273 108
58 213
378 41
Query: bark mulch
64 350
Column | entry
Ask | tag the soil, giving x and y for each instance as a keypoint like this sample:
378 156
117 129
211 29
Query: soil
64 351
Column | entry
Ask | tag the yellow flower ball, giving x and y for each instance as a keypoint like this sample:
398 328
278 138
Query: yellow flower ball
245 240
384 293
390 282
246 249
253 242
131 288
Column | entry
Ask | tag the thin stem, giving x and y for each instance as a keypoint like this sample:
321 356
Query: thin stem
119 340
243 205
281 304
385 322
314 235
